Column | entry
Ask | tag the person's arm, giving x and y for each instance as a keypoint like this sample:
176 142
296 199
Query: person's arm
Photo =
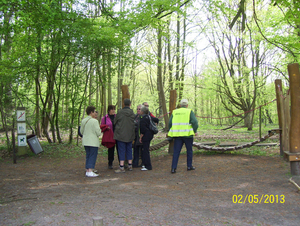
170 122
97 128
194 122
154 119
143 126
103 120
116 119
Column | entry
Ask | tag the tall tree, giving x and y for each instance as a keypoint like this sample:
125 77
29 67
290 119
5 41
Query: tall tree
159 77
242 59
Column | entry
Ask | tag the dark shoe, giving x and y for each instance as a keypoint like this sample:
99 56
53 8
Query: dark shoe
120 170
110 167
173 171
191 168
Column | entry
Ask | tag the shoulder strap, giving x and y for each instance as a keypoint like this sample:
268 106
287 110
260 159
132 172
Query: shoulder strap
139 125
84 125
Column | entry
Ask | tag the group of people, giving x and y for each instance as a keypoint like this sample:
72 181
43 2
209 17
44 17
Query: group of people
122 131
126 130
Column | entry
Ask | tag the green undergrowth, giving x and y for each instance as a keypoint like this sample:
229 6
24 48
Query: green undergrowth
63 150
253 151
205 133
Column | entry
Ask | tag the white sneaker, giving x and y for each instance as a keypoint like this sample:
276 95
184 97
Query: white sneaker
91 174
144 168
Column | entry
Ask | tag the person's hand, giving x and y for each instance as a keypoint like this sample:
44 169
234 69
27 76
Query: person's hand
196 134
141 138
108 128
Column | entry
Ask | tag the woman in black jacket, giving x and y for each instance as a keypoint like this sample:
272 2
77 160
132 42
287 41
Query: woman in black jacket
146 136
137 146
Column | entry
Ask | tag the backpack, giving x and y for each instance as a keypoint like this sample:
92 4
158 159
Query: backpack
152 126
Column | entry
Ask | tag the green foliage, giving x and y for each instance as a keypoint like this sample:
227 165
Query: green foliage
58 56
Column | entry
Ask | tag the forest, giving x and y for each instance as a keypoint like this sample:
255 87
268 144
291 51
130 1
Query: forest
59 56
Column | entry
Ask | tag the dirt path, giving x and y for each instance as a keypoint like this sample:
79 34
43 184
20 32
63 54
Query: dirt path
41 191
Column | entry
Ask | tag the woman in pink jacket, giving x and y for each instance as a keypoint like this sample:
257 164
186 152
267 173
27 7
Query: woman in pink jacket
108 120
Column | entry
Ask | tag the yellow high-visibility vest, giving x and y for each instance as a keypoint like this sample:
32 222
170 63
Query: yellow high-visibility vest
181 126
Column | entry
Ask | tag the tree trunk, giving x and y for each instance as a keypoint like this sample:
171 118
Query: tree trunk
268 116
248 121
109 76
103 82
177 57
120 77
37 88
181 84
171 85
160 80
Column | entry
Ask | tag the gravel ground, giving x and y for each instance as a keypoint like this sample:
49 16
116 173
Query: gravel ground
43 191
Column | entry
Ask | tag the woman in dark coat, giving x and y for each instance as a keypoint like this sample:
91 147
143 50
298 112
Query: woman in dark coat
137 147
146 136
109 121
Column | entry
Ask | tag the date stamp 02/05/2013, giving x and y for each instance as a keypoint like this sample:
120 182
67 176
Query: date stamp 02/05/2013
264 198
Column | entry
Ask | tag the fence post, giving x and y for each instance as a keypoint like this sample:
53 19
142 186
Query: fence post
286 122
284 131
278 89
98 221
294 76
172 106
125 94
260 123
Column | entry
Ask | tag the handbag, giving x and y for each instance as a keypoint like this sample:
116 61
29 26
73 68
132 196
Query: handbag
152 126
81 135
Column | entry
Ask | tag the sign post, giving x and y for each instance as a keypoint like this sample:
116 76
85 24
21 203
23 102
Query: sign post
21 129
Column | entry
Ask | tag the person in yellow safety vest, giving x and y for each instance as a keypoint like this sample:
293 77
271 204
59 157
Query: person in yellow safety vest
183 126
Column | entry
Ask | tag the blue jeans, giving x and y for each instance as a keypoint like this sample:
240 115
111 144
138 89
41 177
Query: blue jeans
91 157
178 143
124 148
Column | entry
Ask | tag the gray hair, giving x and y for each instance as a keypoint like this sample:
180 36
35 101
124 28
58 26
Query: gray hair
139 106
184 102
145 110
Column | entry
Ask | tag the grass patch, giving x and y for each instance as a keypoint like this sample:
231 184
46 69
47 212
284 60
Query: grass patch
29 223
206 132
62 150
